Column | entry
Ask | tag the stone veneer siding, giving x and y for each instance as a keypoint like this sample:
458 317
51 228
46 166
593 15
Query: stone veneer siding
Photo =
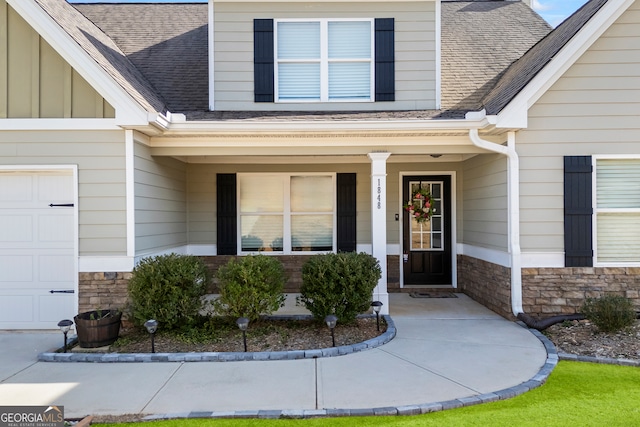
109 289
553 291
487 283
103 290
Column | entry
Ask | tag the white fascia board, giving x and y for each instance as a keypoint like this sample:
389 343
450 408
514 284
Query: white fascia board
58 124
328 126
514 115
128 111
211 76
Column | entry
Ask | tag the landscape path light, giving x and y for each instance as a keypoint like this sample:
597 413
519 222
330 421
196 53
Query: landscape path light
331 321
152 327
377 306
243 324
64 326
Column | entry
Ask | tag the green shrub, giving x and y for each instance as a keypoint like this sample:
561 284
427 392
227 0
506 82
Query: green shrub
168 288
340 284
250 286
609 313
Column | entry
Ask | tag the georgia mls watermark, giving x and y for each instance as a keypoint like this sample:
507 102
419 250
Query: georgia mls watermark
31 416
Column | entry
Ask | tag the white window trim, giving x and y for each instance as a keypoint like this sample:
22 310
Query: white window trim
286 214
596 210
324 61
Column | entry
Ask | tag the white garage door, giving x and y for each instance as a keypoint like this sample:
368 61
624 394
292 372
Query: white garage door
36 249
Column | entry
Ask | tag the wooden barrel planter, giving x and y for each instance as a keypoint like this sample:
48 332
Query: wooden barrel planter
98 328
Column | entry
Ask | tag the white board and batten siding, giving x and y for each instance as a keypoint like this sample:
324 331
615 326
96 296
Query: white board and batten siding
37 248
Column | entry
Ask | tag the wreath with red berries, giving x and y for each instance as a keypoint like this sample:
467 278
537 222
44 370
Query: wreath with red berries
420 207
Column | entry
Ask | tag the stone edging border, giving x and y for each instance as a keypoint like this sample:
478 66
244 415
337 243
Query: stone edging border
539 379
603 360
382 339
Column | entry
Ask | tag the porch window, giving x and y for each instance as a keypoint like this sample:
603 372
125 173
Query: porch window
617 210
285 213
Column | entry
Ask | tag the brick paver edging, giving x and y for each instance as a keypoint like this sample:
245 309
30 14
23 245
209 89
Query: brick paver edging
604 360
382 339
539 379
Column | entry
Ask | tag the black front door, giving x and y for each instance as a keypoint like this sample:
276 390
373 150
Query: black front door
427 245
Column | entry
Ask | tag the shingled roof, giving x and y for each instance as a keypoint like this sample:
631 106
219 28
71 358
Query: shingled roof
487 54
167 42
480 39
105 52
521 72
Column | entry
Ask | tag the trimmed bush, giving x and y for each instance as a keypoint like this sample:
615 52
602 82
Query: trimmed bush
340 284
250 286
610 313
168 288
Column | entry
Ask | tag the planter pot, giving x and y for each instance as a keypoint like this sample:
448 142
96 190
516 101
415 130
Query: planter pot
98 328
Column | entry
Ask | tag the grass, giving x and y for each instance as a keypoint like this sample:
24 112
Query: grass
576 394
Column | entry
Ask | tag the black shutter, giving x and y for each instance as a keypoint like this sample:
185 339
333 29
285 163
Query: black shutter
578 212
385 57
263 73
346 198
227 222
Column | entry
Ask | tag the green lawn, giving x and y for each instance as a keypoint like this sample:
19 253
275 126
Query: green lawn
576 394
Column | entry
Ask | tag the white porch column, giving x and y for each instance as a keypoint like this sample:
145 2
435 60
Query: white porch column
379 223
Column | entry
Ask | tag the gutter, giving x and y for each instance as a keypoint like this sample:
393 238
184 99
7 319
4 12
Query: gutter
514 210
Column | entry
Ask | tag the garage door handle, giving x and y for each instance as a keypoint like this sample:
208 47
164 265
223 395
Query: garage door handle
63 291
61 205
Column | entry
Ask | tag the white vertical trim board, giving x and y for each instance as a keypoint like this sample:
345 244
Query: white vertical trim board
130 192
212 84
438 55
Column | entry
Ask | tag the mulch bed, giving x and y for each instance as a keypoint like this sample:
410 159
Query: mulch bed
264 335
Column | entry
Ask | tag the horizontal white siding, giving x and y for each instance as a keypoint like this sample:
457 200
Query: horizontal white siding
414 55
100 157
593 109
484 208
160 202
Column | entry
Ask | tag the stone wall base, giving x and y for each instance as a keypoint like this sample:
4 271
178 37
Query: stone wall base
553 291
546 291
103 290
487 283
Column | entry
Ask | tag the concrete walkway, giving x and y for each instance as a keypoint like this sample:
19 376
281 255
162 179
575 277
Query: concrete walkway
448 352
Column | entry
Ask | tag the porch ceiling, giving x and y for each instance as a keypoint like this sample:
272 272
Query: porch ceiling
304 145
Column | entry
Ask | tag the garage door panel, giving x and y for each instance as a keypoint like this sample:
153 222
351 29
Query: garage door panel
55 188
15 269
15 228
54 307
37 249
55 228
17 308
54 269
16 188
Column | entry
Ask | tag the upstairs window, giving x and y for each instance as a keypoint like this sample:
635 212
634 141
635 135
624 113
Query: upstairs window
324 60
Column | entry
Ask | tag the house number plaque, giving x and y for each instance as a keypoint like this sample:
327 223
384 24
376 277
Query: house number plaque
379 195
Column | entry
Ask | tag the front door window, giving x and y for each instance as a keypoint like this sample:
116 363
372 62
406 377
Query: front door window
427 235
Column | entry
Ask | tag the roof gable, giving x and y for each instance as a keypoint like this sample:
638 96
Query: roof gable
530 76
94 55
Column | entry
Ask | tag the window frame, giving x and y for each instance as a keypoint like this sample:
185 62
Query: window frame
324 61
597 210
287 213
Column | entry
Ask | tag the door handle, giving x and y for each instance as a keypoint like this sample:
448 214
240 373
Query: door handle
62 291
